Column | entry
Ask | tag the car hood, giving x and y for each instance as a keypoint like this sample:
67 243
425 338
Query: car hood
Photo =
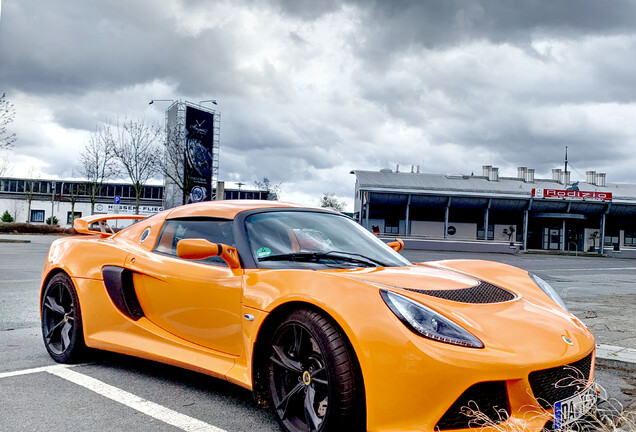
515 317
417 277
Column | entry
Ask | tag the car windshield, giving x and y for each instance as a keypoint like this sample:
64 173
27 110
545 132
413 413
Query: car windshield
304 239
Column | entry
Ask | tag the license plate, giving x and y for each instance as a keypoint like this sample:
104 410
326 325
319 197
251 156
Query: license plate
571 409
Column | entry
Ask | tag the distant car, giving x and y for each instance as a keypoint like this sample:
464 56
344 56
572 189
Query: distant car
325 323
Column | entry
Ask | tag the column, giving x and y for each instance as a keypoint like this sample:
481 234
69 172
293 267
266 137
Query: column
526 217
408 225
486 214
366 209
563 237
601 246
447 213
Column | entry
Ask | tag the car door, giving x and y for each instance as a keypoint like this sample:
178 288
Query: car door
199 301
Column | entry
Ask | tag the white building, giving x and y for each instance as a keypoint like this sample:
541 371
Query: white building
548 214
35 200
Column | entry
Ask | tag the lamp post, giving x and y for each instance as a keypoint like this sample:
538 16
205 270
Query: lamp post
239 184
160 100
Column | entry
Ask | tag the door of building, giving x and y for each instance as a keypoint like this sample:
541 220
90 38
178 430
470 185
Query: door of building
575 239
551 238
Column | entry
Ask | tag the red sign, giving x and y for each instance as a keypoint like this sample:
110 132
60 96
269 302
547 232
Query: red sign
571 194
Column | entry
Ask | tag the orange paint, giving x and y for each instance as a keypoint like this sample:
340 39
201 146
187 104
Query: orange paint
194 317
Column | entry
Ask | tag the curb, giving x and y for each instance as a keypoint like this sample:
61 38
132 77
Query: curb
14 241
616 357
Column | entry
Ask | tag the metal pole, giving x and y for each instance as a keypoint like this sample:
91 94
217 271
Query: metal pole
563 237
408 205
366 211
486 215
526 217
52 200
525 229
446 215
601 246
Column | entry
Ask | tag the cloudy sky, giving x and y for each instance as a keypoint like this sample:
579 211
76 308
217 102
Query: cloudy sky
309 90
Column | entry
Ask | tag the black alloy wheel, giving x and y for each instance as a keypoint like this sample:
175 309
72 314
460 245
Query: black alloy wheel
62 320
312 375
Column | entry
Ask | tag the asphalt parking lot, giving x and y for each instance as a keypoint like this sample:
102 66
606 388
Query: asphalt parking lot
116 392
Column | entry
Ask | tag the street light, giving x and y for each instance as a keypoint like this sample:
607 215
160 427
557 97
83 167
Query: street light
160 100
212 101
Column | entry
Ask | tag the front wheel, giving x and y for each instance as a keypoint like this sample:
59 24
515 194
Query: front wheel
62 320
314 383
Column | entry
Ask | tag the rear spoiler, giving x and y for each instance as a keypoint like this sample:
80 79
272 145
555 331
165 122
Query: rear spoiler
82 225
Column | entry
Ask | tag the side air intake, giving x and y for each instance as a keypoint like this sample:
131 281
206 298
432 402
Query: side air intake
120 288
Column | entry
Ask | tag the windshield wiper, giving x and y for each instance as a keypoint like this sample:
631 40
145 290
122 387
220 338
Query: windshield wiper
316 256
353 254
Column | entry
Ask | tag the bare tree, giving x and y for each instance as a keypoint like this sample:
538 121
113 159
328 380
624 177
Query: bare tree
7 113
74 190
137 148
70 192
98 162
273 190
330 201
18 206
5 165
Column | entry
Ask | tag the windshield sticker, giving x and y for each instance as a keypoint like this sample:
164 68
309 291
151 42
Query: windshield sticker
263 252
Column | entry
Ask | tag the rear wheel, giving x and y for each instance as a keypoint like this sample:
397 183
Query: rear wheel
312 375
62 320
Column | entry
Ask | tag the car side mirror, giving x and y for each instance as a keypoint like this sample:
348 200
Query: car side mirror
196 249
396 245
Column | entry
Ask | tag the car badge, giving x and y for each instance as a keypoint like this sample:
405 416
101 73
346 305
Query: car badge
567 340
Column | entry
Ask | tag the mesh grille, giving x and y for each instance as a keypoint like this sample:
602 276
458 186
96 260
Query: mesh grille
489 398
483 292
552 385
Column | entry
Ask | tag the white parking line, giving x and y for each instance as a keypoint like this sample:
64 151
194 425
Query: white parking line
28 371
588 269
154 410
19 281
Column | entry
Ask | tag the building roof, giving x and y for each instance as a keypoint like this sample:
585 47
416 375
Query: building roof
456 184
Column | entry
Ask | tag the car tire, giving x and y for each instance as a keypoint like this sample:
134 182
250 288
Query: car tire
62 321
314 380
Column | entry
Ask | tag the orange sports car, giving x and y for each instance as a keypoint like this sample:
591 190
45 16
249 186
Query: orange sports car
326 324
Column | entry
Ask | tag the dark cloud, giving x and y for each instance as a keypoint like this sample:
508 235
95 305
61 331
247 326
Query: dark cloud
305 9
310 90
435 24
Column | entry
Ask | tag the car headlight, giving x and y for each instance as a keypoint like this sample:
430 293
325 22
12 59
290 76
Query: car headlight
424 321
546 288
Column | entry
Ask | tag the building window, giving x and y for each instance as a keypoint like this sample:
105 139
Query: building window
611 240
37 215
391 226
491 233
72 216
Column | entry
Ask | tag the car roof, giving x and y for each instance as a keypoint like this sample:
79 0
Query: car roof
227 209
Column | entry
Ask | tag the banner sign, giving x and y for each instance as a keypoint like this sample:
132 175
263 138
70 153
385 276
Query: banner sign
571 194
199 142
128 209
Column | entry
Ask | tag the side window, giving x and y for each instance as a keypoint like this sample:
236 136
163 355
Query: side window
213 230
